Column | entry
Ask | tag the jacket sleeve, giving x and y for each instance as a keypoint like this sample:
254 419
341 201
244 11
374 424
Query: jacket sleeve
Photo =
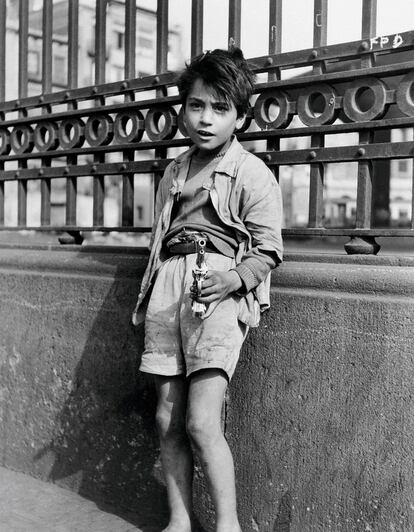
160 199
261 213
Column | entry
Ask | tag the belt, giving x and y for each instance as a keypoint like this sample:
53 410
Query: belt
185 248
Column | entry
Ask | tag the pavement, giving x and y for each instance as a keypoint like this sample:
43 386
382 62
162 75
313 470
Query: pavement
30 505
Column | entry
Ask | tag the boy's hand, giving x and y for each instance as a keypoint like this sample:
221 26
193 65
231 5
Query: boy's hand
217 284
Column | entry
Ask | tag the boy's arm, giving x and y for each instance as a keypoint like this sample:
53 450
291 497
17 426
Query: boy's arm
160 199
261 213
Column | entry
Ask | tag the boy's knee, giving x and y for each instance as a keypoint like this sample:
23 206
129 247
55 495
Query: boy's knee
169 425
202 431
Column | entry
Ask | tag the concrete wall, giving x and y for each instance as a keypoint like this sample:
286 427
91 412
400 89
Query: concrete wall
319 414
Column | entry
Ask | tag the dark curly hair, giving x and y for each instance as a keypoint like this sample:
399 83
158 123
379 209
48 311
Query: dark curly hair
226 72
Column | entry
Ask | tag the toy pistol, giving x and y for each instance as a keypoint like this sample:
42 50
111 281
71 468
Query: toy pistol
199 273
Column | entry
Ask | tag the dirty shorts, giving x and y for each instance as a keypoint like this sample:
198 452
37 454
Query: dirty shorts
178 343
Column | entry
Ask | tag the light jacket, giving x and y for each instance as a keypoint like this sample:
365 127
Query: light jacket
246 197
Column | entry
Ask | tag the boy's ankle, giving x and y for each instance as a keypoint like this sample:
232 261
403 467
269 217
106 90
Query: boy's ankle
178 525
228 527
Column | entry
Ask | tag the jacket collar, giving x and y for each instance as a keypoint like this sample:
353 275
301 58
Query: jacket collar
227 165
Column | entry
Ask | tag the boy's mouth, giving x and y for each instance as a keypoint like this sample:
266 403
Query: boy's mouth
203 133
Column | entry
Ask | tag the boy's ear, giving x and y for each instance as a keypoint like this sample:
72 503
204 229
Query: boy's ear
240 121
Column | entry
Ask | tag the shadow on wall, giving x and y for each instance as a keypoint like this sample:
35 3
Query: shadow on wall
105 445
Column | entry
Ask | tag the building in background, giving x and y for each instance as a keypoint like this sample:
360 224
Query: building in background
146 31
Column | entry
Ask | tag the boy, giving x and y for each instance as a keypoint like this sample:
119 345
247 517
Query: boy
217 191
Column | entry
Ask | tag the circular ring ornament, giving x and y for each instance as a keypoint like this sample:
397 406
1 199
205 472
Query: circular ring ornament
405 94
71 133
305 109
247 121
21 139
262 110
99 130
5 146
378 107
135 120
46 136
153 120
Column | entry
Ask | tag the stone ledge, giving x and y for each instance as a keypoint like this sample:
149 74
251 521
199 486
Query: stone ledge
330 272
355 278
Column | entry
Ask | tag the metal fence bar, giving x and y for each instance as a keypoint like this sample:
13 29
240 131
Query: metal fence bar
100 42
23 46
197 19
100 72
162 36
234 23
73 39
127 206
365 168
45 193
1 198
161 66
3 14
369 18
130 38
22 198
47 36
380 171
22 90
275 34
98 196
275 47
317 170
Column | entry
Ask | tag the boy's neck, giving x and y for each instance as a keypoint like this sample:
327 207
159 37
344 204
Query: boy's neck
212 154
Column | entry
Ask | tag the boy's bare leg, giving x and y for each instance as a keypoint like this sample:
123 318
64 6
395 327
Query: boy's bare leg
176 454
205 400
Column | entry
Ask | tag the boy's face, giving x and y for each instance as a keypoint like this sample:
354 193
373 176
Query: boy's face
210 121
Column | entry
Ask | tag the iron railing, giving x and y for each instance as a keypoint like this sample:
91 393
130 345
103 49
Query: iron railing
364 86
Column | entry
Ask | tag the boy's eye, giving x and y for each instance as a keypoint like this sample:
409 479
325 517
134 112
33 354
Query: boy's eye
195 105
221 107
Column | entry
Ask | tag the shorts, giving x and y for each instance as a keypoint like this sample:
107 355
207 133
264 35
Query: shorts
178 343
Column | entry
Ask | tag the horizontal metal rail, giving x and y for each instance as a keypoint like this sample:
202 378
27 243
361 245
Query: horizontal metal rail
369 152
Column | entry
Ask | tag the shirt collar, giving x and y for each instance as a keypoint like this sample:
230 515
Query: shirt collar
227 164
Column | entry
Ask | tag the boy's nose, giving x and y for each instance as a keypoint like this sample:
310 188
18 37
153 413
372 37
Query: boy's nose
206 116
